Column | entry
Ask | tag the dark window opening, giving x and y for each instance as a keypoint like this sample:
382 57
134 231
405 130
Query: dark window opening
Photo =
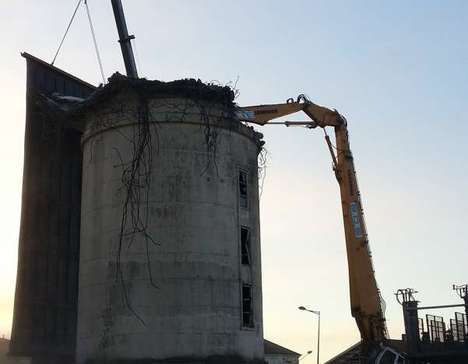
245 246
243 189
247 308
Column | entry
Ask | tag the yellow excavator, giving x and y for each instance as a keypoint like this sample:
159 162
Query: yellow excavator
366 301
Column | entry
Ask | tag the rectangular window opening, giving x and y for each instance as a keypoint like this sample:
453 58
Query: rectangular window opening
245 246
243 196
247 307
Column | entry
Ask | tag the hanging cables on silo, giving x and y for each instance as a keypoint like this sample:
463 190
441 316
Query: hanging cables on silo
262 168
93 34
136 181
66 31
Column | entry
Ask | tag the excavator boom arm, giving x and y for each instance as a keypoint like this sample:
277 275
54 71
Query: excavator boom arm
365 298
263 114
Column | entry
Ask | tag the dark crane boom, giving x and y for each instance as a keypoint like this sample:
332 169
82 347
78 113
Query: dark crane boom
124 39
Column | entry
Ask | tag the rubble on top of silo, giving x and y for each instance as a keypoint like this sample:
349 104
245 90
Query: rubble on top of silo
186 88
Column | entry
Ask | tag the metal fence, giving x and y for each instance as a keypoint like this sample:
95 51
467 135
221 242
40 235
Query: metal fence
459 327
421 327
435 328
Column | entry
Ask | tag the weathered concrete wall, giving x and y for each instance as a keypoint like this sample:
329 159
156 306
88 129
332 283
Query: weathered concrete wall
179 297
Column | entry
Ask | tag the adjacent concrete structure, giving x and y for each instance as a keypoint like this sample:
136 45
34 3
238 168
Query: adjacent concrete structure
44 321
170 239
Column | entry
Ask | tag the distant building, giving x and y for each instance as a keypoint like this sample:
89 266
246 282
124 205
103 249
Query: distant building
276 354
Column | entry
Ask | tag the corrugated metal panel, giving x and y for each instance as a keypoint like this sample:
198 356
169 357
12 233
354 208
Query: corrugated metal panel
48 79
44 323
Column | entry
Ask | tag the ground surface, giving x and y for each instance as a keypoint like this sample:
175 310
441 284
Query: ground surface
4 359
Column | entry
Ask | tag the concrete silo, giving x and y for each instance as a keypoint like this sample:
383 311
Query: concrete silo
170 239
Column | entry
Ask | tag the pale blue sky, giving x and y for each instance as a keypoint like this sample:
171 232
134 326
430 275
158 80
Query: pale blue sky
396 69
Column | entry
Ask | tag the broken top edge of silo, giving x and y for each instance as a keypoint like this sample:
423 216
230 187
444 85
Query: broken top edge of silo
186 88
207 100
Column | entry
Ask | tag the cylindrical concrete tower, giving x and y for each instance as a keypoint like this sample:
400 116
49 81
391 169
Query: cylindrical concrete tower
170 239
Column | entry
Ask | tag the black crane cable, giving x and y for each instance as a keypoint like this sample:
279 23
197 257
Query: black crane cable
66 31
93 34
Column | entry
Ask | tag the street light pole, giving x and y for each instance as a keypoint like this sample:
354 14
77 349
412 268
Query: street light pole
302 308
318 338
